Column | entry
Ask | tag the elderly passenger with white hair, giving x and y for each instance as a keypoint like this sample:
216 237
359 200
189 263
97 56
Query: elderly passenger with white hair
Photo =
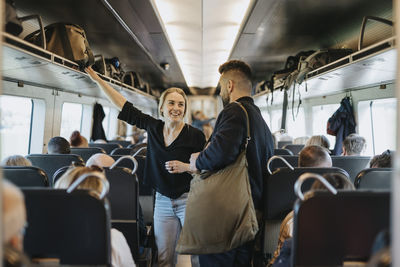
100 159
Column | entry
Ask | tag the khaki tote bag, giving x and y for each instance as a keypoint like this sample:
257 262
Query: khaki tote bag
220 214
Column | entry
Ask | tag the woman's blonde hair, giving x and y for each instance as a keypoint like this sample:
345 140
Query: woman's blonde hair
167 92
16 160
90 183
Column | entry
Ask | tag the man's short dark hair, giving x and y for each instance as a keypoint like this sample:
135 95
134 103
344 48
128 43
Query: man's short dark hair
236 65
383 160
314 156
58 145
354 144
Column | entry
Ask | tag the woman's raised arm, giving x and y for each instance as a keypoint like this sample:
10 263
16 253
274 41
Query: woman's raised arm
115 97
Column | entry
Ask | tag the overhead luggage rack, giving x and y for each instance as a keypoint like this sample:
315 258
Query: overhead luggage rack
373 65
30 64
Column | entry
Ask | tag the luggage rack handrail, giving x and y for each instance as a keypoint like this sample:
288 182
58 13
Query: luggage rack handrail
390 40
64 62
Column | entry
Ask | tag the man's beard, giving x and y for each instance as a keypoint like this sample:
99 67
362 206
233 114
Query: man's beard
225 101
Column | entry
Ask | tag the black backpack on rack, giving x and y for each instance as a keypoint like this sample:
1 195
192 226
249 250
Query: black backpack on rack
114 69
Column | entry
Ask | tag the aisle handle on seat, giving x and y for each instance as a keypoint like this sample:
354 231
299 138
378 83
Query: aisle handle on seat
305 176
281 158
100 176
138 151
135 163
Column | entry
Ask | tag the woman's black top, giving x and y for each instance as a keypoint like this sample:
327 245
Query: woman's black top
189 140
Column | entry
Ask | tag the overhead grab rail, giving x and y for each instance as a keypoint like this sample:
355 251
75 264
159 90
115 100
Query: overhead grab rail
364 23
282 159
306 176
135 163
100 176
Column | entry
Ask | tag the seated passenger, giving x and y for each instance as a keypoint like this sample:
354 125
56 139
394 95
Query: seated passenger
104 160
353 145
100 159
314 156
13 221
77 140
338 181
383 160
301 140
120 251
58 145
318 140
16 160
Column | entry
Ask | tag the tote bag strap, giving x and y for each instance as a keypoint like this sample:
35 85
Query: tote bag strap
247 124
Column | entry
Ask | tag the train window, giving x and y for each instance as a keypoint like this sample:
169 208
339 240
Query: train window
379 133
320 116
15 130
71 119
276 120
296 127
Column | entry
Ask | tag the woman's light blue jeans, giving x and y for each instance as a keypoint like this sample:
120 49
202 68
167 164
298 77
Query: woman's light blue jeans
169 217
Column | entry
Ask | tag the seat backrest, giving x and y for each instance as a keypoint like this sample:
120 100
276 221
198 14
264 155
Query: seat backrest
330 229
26 176
124 202
86 152
121 151
294 148
123 143
282 151
374 178
281 144
50 163
352 164
279 192
72 227
106 147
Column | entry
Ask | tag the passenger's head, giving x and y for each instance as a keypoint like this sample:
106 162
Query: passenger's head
383 160
14 215
235 80
58 145
173 104
315 156
90 183
353 145
318 140
100 159
16 160
77 140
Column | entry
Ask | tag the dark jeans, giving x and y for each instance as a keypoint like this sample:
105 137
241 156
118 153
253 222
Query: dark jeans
238 257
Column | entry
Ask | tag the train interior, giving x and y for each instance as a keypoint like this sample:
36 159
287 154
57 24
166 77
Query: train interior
159 44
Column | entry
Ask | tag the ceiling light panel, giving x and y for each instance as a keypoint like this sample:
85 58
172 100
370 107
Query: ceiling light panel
202 34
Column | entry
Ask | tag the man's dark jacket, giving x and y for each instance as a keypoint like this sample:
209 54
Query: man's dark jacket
228 139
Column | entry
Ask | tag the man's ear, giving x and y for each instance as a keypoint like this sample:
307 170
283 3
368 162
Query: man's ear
230 86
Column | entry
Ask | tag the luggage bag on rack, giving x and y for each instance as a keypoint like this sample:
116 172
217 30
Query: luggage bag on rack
66 40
